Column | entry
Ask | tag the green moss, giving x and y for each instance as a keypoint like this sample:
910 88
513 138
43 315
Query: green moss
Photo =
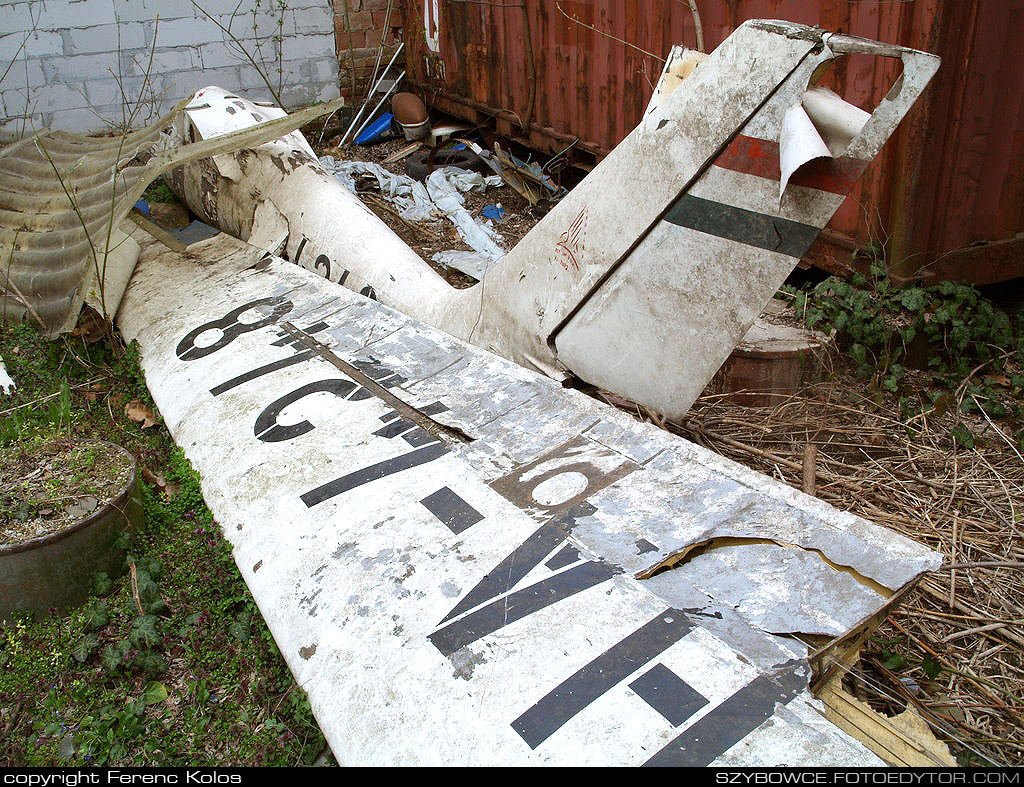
194 678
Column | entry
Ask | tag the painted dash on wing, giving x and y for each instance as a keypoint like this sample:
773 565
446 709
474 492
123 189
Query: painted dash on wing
743 226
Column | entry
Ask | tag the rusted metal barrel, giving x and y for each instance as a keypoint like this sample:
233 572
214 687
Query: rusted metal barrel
772 362
57 570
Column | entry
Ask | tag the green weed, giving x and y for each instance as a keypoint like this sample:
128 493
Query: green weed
170 662
966 351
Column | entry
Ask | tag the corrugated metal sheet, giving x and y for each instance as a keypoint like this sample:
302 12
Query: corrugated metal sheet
950 179
63 196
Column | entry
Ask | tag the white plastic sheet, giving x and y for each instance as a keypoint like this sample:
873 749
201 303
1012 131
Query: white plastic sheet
444 186
440 197
6 383
407 195
469 262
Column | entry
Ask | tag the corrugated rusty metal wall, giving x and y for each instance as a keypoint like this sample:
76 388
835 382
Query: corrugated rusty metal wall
952 177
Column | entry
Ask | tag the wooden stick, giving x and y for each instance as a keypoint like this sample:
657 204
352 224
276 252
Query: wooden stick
810 467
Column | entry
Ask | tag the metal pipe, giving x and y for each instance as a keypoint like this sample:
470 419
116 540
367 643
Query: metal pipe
366 101
379 103
380 49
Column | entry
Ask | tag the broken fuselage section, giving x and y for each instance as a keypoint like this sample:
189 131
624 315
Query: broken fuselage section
643 278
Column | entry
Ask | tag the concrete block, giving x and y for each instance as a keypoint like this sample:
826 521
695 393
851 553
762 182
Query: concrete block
62 69
78 120
100 92
310 71
312 20
217 55
325 5
187 32
65 15
298 72
106 38
148 10
252 83
328 92
16 17
11 45
322 45
143 94
132 63
25 73
42 43
169 59
16 127
16 102
56 97
186 83
221 7
263 25
311 47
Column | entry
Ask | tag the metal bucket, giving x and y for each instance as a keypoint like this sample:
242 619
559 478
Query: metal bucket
56 570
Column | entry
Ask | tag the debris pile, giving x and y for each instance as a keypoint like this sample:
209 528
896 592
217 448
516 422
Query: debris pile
439 196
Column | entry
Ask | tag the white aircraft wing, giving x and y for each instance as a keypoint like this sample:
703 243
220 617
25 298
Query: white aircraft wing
446 546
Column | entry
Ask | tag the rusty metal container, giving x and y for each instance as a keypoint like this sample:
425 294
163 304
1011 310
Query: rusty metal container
56 570
946 196
774 360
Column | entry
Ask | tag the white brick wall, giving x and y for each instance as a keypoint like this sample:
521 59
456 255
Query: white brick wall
66 60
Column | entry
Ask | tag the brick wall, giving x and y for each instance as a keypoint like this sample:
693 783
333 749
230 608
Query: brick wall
358 38
70 60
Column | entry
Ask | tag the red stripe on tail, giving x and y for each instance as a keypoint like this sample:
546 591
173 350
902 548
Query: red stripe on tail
760 157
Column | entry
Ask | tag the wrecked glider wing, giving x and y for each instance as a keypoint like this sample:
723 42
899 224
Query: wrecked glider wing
62 200
465 563
648 273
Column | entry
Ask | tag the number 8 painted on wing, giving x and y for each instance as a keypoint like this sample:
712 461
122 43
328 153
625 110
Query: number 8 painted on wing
231 328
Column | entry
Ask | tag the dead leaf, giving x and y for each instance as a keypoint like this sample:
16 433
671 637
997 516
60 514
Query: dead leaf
96 392
138 412
158 481
998 379
943 404
91 327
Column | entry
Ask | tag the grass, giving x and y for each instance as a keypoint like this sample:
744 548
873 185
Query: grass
177 668
159 191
